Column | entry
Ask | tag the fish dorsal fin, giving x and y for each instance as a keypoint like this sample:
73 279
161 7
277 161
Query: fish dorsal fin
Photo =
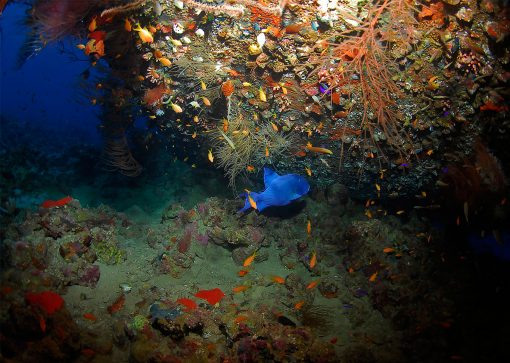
269 176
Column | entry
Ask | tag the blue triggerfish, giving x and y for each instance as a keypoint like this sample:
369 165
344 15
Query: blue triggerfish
279 191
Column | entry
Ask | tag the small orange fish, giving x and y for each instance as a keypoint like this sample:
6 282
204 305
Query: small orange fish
253 204
319 150
267 152
278 279
388 250
80 46
240 288
127 25
240 318
299 305
309 227
312 284
308 171
144 34
249 260
373 277
90 316
313 260
117 305
206 101
165 61
92 24
250 168
210 156
242 273
42 324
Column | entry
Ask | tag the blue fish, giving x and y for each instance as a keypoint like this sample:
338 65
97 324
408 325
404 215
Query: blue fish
279 190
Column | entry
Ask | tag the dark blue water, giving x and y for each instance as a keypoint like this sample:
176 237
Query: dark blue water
44 91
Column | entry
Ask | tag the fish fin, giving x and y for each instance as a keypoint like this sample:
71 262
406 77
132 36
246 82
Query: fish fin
269 176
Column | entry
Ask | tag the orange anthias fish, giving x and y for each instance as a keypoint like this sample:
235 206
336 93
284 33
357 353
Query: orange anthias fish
117 305
242 273
313 260
127 25
249 260
240 319
278 279
309 227
373 277
253 204
240 288
319 150
90 316
144 34
312 284
93 24
299 305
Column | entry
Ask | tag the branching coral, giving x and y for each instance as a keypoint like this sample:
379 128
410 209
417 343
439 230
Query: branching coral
244 143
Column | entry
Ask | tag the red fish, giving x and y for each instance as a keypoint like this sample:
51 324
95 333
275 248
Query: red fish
188 303
47 300
213 296
56 203
42 324
90 316
117 305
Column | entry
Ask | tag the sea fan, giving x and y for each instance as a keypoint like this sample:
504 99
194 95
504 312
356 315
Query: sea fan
51 20
54 19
